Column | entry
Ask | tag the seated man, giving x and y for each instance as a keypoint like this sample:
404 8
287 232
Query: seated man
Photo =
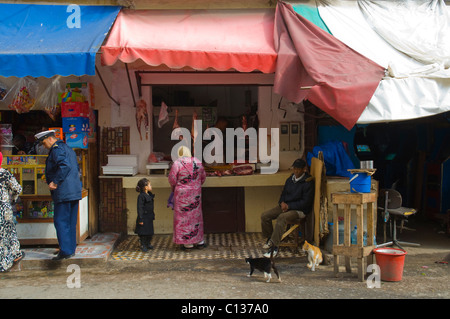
21 146
295 202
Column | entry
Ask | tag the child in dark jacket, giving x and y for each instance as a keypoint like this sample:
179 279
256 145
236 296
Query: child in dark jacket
145 213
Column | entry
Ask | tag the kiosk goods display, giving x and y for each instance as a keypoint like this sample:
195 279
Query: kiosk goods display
33 211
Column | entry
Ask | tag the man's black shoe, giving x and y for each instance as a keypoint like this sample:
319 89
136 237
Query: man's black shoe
62 256
144 248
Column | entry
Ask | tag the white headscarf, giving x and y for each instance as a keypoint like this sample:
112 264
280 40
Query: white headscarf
183 151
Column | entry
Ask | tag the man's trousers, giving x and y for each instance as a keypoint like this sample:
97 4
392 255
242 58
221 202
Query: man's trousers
65 220
282 219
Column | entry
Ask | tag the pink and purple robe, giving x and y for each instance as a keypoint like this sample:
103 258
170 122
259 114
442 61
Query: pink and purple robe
186 178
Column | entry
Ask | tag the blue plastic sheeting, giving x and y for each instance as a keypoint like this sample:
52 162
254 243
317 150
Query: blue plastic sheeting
337 161
48 40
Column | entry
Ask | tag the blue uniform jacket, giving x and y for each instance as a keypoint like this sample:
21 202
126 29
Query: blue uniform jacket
63 170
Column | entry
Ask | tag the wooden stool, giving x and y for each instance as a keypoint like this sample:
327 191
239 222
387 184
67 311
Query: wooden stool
293 229
347 249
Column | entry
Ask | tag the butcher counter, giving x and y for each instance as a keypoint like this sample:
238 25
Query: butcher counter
230 203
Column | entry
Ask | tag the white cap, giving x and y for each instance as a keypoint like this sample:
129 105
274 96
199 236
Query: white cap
43 135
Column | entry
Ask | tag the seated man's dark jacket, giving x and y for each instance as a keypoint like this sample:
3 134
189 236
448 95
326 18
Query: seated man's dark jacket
299 195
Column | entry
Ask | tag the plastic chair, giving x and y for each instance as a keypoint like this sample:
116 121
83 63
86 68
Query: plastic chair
390 204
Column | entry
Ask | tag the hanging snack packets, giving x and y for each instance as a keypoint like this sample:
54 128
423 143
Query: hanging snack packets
24 92
71 96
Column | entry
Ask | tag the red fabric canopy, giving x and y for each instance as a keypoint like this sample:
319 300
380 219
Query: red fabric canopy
341 80
201 39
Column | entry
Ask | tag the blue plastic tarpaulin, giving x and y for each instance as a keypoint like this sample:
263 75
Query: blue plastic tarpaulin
48 40
337 161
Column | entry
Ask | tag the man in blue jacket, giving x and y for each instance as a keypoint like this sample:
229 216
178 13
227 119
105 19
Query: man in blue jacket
63 179
295 202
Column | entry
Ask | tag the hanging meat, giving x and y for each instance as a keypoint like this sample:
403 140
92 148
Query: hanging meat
194 132
142 115
175 122
176 126
163 115
244 123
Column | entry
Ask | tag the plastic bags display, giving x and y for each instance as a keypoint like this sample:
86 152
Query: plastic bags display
23 95
48 100
3 91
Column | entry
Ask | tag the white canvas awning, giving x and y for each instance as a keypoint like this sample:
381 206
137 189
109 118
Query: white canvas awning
411 40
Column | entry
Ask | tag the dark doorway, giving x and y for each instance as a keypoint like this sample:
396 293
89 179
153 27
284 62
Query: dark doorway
223 209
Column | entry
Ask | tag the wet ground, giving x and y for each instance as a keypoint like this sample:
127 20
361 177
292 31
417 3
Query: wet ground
422 278
426 275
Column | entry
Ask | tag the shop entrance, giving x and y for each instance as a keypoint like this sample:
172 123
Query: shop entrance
223 209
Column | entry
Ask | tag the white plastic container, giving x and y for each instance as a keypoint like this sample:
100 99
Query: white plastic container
123 160
119 170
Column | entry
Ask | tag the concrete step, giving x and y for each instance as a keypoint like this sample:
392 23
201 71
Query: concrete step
90 252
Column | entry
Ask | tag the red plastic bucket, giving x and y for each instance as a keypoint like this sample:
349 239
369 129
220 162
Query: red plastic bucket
391 261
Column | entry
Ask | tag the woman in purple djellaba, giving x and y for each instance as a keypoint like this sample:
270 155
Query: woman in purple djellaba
186 178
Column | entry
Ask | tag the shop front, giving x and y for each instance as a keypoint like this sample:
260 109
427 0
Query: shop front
220 67
171 68
47 66
210 72
255 68
33 211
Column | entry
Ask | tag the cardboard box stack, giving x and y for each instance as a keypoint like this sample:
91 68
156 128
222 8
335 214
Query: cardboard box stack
75 112
58 132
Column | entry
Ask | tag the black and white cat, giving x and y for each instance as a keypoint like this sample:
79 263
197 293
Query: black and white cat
263 264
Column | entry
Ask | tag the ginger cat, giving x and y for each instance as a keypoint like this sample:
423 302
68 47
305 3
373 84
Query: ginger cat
314 255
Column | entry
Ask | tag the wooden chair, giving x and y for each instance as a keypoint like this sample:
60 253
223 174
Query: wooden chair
309 226
305 225
292 231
